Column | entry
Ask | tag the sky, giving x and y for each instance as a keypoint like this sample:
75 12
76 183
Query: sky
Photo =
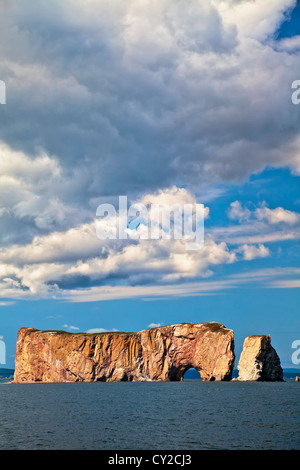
165 102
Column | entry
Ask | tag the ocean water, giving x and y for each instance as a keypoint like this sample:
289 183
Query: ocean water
188 415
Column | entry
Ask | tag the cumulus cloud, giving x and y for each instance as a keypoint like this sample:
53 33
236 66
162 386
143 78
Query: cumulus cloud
156 100
237 212
288 44
257 225
76 258
272 216
35 197
256 19
145 95
251 251
135 263
62 260
277 215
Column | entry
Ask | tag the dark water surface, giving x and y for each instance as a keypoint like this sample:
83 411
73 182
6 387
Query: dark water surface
178 415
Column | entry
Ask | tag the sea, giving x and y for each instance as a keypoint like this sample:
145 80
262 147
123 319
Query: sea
187 415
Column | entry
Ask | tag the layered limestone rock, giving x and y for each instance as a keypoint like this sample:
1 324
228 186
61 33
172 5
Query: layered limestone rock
163 353
259 360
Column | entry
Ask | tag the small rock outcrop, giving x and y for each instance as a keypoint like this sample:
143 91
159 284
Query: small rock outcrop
259 360
163 353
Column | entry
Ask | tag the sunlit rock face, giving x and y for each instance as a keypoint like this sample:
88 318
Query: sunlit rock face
259 360
158 354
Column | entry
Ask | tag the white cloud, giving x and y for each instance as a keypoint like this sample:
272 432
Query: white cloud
74 243
52 263
237 212
170 197
17 165
145 99
288 44
23 180
152 261
159 87
57 260
277 215
7 303
266 278
258 225
108 292
34 194
100 330
256 19
264 213
251 251
71 327
97 330
253 233
154 325
286 284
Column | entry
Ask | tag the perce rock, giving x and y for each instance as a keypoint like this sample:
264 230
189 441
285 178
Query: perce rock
163 353
259 360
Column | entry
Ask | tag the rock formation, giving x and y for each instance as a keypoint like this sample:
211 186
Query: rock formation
163 353
259 360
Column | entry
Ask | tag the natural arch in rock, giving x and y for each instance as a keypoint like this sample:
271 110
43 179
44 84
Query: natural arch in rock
169 351
177 373
191 374
163 353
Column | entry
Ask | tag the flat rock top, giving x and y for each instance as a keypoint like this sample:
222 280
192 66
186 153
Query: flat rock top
212 326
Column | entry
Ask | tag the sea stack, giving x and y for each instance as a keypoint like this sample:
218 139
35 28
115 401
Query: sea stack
259 360
157 354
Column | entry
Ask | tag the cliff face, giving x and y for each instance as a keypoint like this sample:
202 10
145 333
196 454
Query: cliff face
259 360
169 351
163 353
64 357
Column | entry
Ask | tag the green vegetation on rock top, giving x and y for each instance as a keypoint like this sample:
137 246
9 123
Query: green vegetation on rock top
62 332
213 326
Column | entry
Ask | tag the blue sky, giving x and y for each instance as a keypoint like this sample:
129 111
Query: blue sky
162 104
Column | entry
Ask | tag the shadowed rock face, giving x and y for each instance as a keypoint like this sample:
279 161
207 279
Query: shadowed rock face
259 360
163 353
